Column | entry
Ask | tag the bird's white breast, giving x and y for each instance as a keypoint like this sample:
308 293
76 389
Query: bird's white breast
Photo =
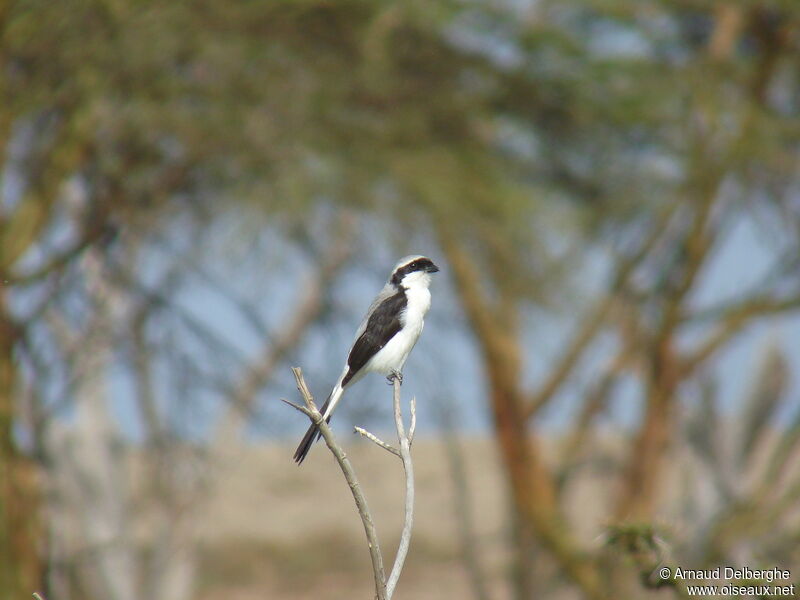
419 301
393 355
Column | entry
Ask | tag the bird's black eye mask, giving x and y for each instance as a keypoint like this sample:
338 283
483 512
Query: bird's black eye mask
420 264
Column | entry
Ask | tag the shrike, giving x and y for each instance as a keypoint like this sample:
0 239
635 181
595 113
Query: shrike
386 335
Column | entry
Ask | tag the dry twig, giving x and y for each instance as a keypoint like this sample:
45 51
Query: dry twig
383 588
376 440
408 467
310 410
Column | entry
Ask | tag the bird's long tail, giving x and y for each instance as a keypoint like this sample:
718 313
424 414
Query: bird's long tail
313 434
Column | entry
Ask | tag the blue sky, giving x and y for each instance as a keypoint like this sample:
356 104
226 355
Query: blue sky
445 365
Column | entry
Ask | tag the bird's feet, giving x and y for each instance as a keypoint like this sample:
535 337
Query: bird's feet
394 375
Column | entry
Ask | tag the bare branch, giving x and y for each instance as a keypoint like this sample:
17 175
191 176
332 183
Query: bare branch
302 409
383 588
302 387
408 467
413 426
376 440
352 481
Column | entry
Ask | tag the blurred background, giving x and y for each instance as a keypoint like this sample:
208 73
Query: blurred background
197 195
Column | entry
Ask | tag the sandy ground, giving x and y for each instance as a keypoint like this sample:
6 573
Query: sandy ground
275 530
271 529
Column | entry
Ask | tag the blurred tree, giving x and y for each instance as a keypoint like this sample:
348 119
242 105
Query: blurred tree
528 140
720 130
751 476
117 121
101 113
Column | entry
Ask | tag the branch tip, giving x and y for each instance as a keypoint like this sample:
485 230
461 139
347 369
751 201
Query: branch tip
376 440
303 389
302 409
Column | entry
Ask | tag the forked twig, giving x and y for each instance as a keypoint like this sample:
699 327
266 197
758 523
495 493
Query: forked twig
408 467
383 588
310 410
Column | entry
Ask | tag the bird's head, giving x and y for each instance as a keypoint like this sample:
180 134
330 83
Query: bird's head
413 270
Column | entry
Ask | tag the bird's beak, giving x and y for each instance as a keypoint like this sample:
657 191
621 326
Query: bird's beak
432 269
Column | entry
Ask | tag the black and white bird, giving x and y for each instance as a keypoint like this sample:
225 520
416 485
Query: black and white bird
387 334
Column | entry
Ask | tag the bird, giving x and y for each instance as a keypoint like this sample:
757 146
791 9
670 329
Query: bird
385 337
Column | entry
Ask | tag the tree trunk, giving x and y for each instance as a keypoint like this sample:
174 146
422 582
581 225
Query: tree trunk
532 486
639 492
533 491
20 559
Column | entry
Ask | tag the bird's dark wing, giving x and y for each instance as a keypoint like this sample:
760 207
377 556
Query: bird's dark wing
382 325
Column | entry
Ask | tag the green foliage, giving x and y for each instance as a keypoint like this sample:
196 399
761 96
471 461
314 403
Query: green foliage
470 110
